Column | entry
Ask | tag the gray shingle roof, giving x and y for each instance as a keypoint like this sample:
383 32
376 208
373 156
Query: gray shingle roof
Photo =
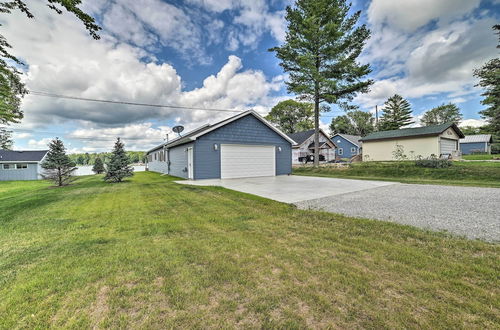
21 155
351 138
476 138
409 132
300 137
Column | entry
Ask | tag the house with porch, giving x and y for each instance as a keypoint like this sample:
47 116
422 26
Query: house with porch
303 151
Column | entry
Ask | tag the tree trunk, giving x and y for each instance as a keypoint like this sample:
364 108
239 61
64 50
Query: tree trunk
316 126
316 115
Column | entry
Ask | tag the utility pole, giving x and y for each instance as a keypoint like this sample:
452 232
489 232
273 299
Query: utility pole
376 115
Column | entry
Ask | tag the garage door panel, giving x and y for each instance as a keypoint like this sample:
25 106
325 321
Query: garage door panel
448 146
239 161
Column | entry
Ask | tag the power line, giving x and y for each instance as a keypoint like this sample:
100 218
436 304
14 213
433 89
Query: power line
60 96
170 106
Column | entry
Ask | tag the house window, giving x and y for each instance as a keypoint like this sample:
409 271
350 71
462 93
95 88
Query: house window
353 150
156 155
9 166
21 166
341 151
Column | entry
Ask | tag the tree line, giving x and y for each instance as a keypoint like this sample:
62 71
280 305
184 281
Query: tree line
90 158
293 116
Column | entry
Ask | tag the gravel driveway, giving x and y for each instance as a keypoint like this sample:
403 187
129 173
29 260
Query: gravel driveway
466 211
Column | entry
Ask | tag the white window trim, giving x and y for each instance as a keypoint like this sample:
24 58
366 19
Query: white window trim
14 166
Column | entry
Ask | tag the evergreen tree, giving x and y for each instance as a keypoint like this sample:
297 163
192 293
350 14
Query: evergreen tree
489 79
57 165
98 167
292 116
397 114
320 54
118 166
445 113
5 139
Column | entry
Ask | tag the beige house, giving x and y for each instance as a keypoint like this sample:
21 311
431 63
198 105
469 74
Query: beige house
438 140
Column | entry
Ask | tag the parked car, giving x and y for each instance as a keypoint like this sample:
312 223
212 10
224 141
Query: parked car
310 158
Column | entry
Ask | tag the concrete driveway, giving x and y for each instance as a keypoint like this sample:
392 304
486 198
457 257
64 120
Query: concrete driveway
291 189
466 211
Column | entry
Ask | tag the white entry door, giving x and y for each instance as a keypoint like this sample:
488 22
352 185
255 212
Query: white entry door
190 163
241 161
448 146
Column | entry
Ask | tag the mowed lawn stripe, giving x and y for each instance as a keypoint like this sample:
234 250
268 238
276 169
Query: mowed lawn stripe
152 253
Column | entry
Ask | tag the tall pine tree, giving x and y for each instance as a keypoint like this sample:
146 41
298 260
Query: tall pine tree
57 165
320 55
118 166
397 114
98 167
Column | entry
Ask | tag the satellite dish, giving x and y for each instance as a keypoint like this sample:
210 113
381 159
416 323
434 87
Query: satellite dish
178 129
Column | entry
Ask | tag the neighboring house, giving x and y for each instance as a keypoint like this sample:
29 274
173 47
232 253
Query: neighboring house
476 144
245 145
438 140
347 145
21 165
303 151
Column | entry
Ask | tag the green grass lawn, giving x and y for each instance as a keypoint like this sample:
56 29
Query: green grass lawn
481 174
480 157
149 253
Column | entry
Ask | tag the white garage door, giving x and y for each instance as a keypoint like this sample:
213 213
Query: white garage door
241 161
448 146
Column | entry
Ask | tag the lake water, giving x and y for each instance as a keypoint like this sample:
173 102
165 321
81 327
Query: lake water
87 170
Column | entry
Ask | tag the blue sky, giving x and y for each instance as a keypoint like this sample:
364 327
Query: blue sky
213 53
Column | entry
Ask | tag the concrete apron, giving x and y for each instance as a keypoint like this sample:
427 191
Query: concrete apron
291 189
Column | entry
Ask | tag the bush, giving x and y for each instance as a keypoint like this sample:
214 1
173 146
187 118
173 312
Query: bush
433 162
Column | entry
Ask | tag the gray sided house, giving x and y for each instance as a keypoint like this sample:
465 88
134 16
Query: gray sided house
347 145
480 143
245 145
21 165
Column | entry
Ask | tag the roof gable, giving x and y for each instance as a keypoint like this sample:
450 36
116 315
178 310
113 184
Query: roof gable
354 139
194 134
301 137
412 132
22 155
246 113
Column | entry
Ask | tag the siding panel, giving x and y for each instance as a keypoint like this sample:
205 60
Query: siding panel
469 148
157 165
179 160
30 173
246 130
346 146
